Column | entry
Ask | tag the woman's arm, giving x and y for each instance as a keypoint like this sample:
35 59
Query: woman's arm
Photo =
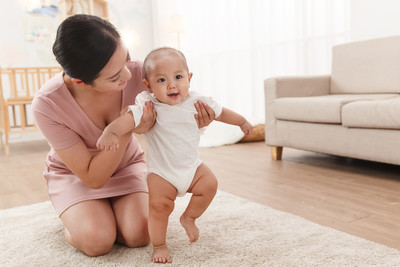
95 170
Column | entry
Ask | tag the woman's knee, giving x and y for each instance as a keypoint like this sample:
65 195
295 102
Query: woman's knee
137 235
95 241
140 239
90 226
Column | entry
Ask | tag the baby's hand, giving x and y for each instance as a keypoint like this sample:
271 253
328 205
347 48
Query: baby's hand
108 142
246 128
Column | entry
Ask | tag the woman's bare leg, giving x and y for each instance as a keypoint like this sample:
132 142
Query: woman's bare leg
131 213
161 203
90 226
204 187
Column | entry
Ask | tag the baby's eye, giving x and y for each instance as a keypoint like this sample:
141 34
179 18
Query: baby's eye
115 80
179 76
161 80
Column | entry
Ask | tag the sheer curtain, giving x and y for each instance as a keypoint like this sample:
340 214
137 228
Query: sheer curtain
233 45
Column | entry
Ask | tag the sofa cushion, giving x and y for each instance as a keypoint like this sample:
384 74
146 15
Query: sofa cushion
319 109
378 114
371 66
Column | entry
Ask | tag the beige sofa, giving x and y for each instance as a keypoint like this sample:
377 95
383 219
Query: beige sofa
354 112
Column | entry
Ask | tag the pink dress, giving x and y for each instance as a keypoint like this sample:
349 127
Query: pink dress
64 123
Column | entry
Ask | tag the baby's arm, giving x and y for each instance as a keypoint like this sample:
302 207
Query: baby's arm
231 117
109 140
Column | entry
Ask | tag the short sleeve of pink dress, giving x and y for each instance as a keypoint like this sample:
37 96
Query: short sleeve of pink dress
63 123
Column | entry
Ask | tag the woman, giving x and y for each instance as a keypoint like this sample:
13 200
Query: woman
100 196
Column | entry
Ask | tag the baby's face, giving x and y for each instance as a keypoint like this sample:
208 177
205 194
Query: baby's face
169 79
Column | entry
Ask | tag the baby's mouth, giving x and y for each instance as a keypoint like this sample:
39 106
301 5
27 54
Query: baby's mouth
174 95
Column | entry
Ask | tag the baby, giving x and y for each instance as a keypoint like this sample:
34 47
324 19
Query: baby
174 167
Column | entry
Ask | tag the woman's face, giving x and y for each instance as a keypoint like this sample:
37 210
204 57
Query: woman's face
115 74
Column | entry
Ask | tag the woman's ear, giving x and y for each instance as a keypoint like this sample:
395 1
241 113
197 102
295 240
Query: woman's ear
78 82
147 84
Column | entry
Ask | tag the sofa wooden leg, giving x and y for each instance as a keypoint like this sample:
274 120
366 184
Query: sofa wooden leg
276 152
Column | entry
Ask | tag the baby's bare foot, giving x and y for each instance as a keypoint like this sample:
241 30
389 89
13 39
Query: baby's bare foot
161 254
191 229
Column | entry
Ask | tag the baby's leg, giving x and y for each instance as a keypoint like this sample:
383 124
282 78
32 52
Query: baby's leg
161 203
203 187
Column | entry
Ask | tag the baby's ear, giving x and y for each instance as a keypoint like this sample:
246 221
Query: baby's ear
147 84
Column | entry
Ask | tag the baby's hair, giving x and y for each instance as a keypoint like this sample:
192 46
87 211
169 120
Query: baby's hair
157 52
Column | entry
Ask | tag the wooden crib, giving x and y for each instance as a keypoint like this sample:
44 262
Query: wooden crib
17 88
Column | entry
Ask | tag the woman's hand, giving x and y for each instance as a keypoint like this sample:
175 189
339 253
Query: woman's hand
148 119
205 114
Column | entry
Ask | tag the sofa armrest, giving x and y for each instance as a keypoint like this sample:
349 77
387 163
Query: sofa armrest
278 87
296 86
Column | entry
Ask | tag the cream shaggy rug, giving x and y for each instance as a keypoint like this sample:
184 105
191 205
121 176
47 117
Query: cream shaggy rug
233 232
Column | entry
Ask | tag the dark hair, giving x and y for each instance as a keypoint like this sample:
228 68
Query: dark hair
83 46
157 52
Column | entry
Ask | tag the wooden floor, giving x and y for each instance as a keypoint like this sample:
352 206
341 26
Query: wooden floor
358 197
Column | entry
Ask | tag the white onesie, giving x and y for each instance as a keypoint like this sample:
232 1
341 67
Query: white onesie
173 140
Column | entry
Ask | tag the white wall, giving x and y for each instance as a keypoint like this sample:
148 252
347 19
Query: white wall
26 39
16 27
374 18
369 19
131 18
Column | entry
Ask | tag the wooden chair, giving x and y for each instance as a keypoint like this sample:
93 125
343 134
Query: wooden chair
17 88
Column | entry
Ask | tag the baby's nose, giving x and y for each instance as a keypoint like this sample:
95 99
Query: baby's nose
171 85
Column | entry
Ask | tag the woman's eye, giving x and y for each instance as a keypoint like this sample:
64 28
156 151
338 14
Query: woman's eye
115 80
179 76
161 80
